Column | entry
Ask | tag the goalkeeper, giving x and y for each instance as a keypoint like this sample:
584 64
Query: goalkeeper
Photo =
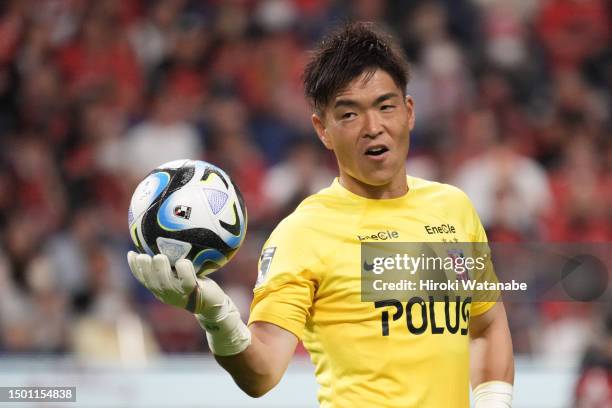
309 284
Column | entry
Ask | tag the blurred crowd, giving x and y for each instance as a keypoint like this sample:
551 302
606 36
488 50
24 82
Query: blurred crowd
513 106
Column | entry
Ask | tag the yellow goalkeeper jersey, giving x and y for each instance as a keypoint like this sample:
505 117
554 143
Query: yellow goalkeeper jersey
309 283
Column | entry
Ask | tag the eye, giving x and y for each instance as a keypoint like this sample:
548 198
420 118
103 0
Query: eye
348 115
385 108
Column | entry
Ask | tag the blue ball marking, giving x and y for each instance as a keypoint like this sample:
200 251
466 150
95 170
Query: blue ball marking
165 217
234 241
208 254
163 180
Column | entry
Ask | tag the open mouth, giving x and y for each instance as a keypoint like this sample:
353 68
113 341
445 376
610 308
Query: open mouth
376 151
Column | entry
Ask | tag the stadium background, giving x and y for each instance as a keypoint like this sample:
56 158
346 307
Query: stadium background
513 106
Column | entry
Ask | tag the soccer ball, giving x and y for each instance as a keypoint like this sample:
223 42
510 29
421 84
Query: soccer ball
188 209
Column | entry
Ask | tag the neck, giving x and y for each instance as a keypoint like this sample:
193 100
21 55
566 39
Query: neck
394 189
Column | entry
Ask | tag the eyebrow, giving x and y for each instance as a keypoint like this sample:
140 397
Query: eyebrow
351 103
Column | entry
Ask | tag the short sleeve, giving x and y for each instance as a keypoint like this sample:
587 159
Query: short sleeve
287 278
484 300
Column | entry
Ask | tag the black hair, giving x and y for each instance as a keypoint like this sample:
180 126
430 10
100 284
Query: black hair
347 53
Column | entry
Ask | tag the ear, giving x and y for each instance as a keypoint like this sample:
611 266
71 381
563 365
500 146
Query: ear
410 109
319 127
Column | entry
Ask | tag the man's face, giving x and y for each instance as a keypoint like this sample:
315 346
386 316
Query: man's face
367 125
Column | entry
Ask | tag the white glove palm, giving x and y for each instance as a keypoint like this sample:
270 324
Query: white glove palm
182 289
226 333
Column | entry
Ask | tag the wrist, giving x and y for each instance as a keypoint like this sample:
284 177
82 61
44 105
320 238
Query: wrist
493 394
215 312
226 333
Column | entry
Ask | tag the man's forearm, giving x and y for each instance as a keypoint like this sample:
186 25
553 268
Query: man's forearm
252 370
492 361
258 368
491 356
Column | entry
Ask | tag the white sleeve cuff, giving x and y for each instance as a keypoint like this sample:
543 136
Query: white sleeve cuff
493 394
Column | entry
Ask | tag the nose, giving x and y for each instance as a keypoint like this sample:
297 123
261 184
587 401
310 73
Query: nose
372 126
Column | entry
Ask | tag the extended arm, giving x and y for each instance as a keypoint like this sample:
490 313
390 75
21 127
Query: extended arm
491 359
261 365
256 356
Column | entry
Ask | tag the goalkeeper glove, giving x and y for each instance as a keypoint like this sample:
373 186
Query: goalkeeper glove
226 333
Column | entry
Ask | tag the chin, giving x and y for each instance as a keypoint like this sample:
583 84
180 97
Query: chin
377 180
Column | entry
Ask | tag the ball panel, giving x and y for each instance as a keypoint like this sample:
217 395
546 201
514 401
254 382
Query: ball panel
216 199
147 191
173 249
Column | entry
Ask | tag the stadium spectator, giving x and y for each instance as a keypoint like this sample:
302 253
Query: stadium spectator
165 136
